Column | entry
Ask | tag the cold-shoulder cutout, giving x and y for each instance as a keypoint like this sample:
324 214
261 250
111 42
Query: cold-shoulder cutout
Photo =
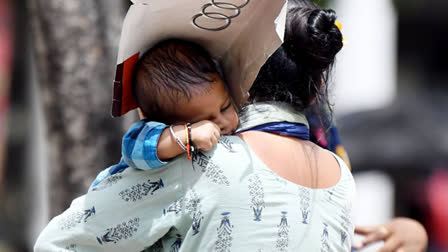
299 162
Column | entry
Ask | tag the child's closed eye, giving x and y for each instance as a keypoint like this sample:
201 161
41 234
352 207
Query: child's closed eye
226 107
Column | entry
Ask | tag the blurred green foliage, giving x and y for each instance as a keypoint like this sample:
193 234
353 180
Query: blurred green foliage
321 3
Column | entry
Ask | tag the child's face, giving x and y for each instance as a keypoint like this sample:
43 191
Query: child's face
214 105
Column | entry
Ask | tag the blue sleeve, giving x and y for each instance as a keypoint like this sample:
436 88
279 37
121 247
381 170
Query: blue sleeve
139 147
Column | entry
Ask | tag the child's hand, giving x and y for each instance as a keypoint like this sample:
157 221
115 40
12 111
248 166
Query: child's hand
205 134
399 235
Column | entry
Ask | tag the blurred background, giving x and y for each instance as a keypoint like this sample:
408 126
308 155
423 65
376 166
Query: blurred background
57 61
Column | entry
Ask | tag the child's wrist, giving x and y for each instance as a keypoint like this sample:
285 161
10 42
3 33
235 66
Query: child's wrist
178 134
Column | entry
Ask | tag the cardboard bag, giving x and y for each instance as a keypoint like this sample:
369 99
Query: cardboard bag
239 34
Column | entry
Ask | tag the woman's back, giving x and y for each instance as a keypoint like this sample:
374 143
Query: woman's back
243 205
299 161
229 200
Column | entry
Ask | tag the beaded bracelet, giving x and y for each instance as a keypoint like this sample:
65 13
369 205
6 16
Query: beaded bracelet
178 141
187 133
191 146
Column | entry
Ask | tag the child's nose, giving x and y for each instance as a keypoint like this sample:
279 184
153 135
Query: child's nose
222 127
221 122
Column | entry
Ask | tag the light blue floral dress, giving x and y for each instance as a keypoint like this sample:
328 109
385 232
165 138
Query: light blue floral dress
226 200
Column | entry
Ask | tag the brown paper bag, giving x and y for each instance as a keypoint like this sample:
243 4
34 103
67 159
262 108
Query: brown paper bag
239 34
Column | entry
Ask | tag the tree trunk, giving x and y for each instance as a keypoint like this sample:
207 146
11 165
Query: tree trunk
75 47
6 48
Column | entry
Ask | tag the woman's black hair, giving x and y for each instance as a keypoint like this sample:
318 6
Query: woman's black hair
171 72
297 73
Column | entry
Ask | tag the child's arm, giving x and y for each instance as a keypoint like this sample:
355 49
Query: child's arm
139 147
147 144
204 134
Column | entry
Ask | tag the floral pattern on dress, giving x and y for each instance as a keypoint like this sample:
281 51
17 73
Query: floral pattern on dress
283 232
330 193
76 218
175 207
71 247
325 247
224 141
138 191
305 204
257 196
175 247
120 232
110 181
193 208
345 222
224 239
211 170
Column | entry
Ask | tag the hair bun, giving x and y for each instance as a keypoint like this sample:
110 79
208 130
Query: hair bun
297 73
321 20
312 38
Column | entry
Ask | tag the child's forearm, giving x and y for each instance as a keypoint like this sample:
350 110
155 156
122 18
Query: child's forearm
205 135
167 146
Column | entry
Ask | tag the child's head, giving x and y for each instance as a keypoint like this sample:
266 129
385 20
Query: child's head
177 81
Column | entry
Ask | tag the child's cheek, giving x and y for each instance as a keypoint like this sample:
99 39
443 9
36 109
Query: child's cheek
236 120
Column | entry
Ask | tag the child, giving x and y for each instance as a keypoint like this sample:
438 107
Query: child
193 93
197 95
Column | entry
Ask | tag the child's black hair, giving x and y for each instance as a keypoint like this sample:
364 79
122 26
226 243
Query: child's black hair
171 71
297 73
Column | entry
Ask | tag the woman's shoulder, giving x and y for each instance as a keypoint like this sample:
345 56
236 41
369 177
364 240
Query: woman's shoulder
229 149
330 166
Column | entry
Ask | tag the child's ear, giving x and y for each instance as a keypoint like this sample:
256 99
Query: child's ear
140 114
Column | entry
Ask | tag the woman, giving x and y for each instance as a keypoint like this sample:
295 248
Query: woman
267 189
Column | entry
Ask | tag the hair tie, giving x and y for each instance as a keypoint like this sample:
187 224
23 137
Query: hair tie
339 26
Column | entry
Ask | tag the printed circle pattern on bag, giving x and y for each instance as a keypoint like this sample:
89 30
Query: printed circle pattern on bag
218 16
